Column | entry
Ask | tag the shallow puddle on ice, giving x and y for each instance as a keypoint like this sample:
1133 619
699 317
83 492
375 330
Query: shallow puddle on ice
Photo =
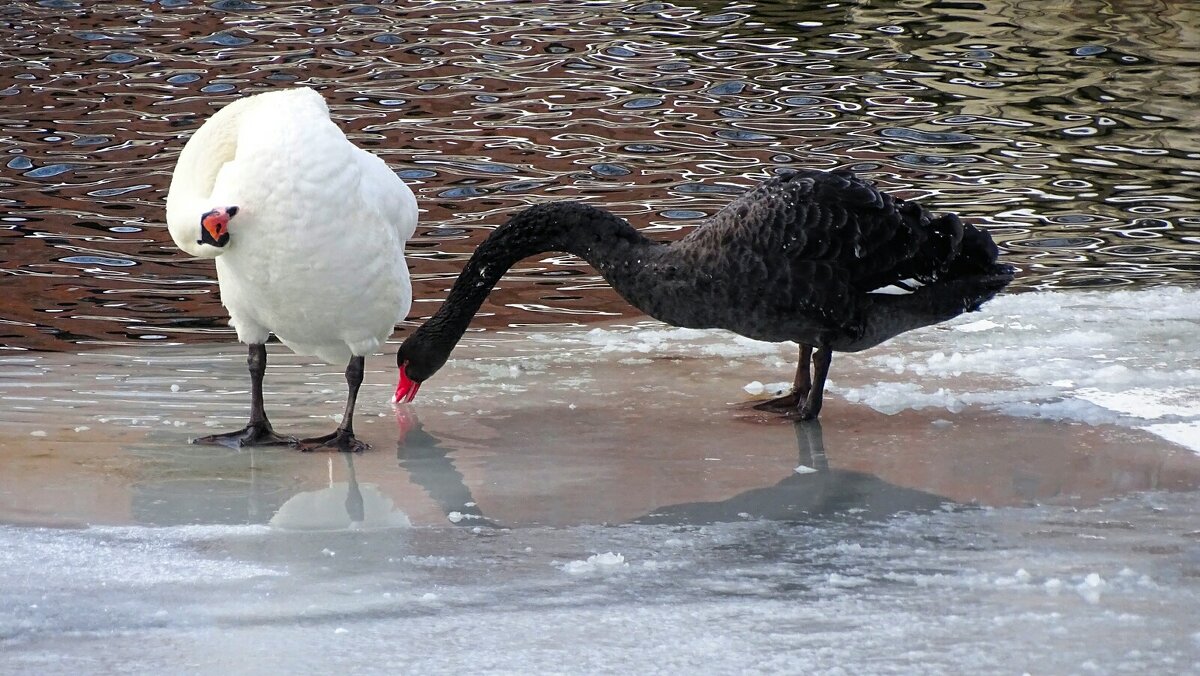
612 425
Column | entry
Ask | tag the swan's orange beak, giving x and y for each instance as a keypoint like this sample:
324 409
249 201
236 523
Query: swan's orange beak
406 389
214 226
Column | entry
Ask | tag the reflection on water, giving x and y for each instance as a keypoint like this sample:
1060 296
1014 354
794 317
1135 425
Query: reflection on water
340 505
1065 129
812 491
102 437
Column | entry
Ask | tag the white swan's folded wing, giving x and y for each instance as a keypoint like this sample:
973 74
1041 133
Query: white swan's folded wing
387 195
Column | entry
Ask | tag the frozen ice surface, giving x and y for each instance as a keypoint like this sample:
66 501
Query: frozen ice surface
1018 496
1040 590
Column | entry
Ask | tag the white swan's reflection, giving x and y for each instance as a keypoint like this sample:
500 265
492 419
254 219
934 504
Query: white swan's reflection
343 505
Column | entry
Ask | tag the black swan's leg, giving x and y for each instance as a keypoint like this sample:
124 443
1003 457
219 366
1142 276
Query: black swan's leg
258 431
812 403
342 439
801 385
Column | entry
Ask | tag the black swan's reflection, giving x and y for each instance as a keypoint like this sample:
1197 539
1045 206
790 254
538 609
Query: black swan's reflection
812 491
429 466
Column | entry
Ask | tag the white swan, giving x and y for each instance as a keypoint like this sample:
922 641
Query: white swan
308 233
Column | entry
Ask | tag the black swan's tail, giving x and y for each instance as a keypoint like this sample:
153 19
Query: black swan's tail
971 274
933 303
947 248
967 275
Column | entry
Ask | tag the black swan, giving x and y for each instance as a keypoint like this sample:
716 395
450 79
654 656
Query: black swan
820 258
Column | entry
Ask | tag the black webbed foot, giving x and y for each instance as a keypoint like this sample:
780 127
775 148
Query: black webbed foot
805 411
785 404
341 441
254 434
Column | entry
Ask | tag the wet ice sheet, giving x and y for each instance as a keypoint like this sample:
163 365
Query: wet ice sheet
588 499
1029 401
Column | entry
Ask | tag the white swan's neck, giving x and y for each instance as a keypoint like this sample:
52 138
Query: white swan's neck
200 162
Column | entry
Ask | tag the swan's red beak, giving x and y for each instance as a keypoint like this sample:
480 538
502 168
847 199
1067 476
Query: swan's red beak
214 226
406 389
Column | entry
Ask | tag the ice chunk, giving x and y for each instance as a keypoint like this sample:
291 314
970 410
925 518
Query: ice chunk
605 562
974 327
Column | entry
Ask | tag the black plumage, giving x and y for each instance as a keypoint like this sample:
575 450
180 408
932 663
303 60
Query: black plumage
797 258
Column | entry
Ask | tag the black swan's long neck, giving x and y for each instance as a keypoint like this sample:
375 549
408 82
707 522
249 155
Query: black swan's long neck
626 259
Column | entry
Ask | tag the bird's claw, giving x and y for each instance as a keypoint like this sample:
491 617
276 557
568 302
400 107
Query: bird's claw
341 441
254 434
803 412
788 403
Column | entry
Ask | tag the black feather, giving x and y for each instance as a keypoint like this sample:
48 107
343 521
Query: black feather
795 258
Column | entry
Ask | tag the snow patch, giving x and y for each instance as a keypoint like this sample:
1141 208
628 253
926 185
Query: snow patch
1185 433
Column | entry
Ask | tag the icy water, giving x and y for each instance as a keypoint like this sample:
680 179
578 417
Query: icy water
1066 128
581 490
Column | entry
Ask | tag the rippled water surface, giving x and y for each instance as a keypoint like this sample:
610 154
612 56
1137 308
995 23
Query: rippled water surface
1066 128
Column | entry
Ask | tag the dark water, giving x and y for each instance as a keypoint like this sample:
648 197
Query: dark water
1065 128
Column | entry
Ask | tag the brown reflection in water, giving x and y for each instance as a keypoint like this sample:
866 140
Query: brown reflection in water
598 465
1070 145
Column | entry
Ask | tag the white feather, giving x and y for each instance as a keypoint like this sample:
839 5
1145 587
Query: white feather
901 288
316 249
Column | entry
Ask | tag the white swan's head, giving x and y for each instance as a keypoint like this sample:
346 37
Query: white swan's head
214 226
200 228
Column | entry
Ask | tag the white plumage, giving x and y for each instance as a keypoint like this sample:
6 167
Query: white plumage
315 252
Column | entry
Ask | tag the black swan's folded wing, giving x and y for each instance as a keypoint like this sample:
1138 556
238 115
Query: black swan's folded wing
817 242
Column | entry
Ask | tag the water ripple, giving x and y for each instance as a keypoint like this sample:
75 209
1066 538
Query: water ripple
1075 149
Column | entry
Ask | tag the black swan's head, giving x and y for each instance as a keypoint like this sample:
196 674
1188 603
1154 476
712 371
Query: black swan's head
418 359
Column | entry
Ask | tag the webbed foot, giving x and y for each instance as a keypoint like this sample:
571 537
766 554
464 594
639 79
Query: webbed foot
805 411
341 441
785 404
254 434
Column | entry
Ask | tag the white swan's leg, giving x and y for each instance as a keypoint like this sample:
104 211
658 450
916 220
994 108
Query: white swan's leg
342 439
258 431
